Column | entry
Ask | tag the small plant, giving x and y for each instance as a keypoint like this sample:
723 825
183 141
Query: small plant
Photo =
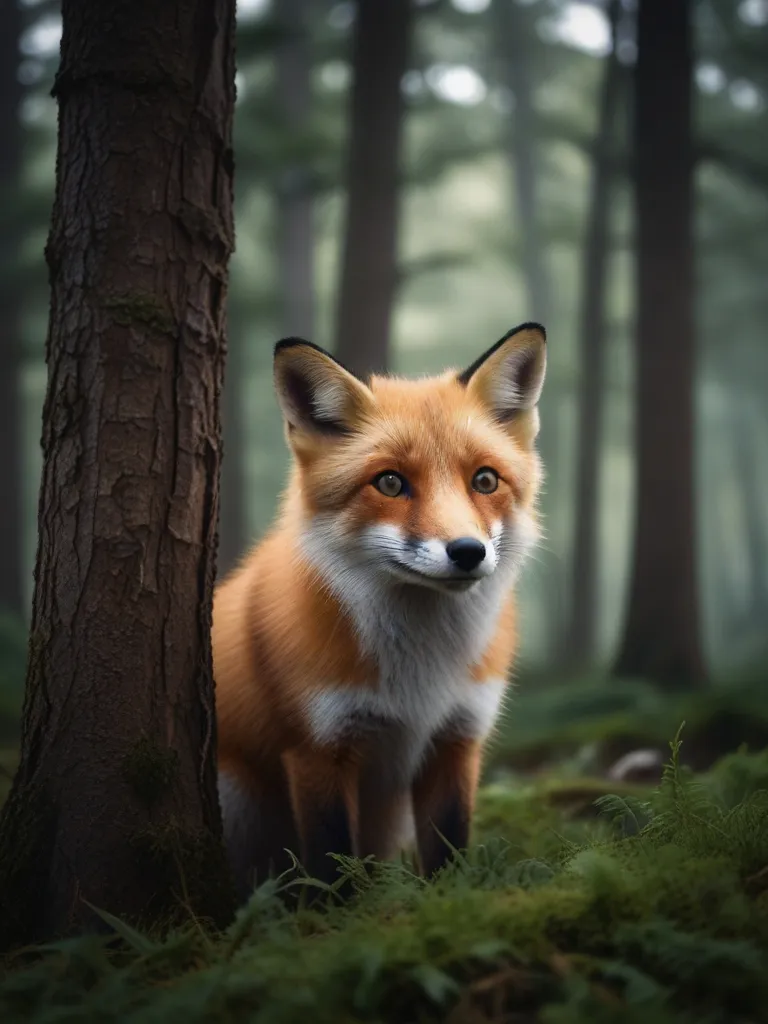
653 909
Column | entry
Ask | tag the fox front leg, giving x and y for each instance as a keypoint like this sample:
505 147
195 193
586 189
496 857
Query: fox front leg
444 799
323 796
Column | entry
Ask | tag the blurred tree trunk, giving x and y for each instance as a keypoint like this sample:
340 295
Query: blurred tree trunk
511 34
585 574
521 147
11 546
295 221
115 800
747 463
661 640
369 258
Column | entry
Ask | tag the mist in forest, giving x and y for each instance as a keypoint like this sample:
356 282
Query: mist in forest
406 195
190 778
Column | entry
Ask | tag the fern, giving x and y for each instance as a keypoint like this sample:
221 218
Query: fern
656 911
629 816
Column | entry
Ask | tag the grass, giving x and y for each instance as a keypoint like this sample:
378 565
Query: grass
650 907
586 724
580 900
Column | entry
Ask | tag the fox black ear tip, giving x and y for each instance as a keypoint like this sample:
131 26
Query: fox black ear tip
529 325
285 343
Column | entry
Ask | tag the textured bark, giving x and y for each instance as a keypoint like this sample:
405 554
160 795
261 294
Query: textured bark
369 260
233 532
295 220
661 634
585 571
115 801
11 547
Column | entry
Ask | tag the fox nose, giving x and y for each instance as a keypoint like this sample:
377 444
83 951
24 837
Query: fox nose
466 552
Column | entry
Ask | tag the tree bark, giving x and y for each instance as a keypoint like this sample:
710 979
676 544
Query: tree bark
661 640
11 546
233 532
114 802
369 259
585 571
295 220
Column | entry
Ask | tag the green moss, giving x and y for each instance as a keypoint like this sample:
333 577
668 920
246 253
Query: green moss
552 915
150 770
133 308
189 871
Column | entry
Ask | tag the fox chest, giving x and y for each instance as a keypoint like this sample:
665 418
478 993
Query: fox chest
398 718
423 647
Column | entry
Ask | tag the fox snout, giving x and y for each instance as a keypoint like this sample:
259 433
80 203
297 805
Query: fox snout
456 564
466 553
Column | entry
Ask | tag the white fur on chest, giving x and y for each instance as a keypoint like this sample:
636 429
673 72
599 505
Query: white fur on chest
396 723
424 645
419 712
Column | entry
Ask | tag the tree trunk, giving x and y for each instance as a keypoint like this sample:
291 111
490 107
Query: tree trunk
115 801
295 222
661 638
521 148
369 260
747 427
233 531
11 546
585 573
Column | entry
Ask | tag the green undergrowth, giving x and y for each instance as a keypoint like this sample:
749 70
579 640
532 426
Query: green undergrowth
585 724
651 907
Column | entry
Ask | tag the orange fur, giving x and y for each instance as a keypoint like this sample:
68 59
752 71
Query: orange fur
498 655
288 638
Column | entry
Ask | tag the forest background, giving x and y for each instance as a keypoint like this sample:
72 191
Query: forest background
512 200
413 179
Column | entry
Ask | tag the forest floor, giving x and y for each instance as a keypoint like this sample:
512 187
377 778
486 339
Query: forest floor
584 899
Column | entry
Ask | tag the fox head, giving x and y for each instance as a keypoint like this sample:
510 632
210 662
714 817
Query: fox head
424 483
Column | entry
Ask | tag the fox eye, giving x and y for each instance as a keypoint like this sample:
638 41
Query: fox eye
390 484
485 480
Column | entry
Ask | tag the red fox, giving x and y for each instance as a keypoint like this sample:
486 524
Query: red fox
361 650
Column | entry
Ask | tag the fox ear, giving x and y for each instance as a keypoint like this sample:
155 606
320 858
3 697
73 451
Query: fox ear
315 392
509 377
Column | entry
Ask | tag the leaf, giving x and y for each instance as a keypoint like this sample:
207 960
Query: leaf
140 943
489 950
533 872
639 987
627 813
369 973
435 983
